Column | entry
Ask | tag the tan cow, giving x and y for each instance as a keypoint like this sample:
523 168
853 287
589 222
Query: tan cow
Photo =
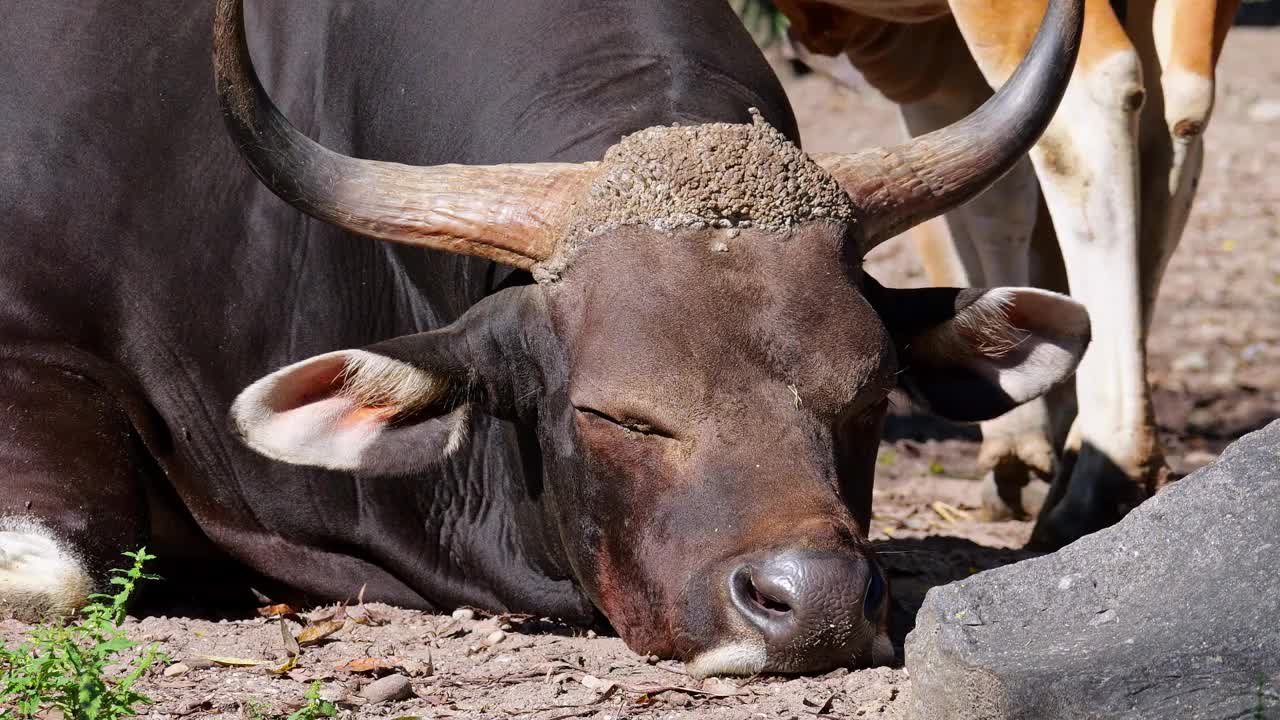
1117 171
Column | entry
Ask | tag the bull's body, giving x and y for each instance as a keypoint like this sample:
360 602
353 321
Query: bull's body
142 259
674 427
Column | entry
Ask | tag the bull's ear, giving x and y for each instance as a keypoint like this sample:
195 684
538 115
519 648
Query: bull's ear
353 410
396 407
973 354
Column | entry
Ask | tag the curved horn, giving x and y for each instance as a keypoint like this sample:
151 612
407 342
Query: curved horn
507 213
899 187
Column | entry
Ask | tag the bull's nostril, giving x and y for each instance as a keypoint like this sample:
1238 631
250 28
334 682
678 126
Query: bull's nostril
810 608
766 602
762 606
875 594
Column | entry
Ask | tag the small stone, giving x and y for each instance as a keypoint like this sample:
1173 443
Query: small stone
600 685
332 694
1198 458
177 669
720 247
1265 111
1253 352
494 638
677 699
388 689
1191 362
591 634
464 614
915 522
1103 618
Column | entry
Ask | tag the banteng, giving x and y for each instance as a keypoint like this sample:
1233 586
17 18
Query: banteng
619 361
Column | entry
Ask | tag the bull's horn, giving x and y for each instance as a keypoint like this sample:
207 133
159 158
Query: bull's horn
507 213
899 187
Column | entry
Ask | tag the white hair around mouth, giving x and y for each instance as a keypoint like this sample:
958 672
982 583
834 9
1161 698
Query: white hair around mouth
742 657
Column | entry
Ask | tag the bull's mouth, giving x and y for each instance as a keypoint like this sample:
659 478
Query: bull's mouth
799 610
744 657
751 657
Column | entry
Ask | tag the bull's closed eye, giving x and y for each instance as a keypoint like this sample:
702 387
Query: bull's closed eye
628 423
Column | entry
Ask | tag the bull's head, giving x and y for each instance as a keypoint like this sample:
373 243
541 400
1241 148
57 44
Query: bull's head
703 358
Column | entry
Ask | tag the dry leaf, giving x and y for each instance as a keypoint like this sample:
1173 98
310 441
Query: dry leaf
291 647
274 610
312 634
451 629
337 612
822 706
949 512
367 665
287 666
363 616
232 661
597 684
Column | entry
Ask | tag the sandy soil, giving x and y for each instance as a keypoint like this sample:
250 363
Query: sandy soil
1216 371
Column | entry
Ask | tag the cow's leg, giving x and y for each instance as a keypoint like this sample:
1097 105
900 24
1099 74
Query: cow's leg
1087 163
71 493
986 243
1179 41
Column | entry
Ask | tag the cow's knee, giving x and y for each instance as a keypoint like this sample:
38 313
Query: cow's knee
41 575
1188 102
1017 459
73 478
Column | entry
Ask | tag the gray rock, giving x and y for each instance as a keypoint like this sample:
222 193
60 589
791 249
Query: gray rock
387 689
1172 613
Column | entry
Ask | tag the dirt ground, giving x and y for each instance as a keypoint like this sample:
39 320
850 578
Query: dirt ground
1215 367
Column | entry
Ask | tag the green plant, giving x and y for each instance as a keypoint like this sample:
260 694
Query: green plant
316 707
63 666
763 20
1260 710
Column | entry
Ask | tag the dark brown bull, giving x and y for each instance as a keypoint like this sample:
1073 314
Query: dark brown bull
676 424
705 362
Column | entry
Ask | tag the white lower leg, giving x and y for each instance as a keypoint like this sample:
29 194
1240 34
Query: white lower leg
1088 167
39 575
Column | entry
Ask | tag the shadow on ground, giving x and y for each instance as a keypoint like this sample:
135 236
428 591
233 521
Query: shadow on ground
916 565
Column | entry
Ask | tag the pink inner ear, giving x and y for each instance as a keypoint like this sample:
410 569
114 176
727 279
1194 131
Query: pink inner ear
1052 315
309 384
360 414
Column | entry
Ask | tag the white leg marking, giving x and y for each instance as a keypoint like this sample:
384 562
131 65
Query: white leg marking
1088 168
39 576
